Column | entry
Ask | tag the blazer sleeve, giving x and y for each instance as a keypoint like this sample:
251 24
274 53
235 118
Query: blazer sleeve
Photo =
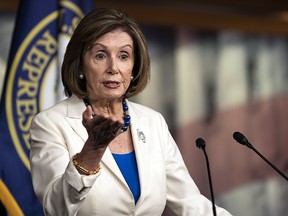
58 185
183 196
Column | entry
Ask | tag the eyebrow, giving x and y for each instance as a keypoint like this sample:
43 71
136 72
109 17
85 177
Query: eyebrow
99 44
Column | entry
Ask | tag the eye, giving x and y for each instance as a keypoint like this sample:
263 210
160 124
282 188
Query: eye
124 57
100 56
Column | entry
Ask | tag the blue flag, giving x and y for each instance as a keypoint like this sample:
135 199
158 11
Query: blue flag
32 82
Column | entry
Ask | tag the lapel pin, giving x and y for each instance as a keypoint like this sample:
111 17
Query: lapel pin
141 136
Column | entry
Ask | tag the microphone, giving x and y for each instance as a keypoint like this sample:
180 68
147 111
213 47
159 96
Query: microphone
240 138
200 143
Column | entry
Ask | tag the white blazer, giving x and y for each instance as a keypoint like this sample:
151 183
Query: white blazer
57 134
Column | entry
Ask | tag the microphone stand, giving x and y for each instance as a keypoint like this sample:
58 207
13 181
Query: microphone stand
200 143
210 182
240 138
249 145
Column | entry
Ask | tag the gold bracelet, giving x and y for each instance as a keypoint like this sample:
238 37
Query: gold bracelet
82 169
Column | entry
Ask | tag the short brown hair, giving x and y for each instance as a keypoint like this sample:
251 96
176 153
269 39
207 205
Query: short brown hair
95 24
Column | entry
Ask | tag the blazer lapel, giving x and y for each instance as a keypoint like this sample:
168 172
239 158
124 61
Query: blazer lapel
75 108
140 135
111 165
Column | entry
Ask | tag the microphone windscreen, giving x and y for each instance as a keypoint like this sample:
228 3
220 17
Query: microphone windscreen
200 143
240 138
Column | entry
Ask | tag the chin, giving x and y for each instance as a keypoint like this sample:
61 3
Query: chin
114 97
113 94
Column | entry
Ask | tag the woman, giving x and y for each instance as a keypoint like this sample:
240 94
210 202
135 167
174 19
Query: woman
96 153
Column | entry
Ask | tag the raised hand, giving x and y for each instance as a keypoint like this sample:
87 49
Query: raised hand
101 130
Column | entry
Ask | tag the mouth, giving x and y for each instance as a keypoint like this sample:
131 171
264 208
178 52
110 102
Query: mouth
111 84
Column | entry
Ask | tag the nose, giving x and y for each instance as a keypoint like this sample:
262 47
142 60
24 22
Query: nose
112 67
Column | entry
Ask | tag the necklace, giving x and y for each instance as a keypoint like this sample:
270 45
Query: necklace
126 117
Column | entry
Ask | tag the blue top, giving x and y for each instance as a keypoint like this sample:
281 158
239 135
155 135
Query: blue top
128 166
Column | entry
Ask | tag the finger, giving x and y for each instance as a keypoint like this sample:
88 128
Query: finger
106 126
101 123
116 128
87 115
103 130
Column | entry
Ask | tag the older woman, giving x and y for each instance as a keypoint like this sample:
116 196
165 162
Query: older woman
96 153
